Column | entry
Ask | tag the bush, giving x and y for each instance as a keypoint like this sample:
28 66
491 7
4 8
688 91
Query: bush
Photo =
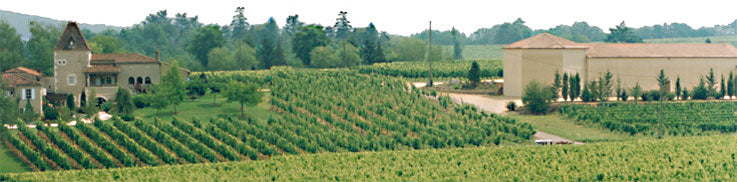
140 101
537 97
50 113
106 106
127 117
511 105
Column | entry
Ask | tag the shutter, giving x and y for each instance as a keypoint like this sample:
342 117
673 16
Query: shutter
23 94
33 94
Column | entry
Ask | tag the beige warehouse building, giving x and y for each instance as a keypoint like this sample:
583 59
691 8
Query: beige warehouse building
538 57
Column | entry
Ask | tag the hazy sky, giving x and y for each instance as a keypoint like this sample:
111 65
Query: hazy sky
396 16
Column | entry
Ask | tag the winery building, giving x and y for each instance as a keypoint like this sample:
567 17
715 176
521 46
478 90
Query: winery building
77 70
538 58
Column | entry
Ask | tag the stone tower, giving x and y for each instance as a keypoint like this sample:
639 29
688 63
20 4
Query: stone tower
71 57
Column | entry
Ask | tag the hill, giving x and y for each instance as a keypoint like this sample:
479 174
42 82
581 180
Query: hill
676 159
20 22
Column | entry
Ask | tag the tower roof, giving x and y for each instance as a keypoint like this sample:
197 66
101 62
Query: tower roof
72 39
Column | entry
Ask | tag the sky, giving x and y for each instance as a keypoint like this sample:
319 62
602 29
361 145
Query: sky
403 17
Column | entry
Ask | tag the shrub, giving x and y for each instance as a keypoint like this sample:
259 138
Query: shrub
511 105
106 106
140 101
537 97
50 113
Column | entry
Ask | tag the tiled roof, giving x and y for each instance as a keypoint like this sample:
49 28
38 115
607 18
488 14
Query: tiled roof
102 69
180 68
24 70
646 50
123 58
544 41
72 32
14 80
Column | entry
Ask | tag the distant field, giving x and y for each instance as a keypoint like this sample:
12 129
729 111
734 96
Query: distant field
441 69
479 52
676 159
718 39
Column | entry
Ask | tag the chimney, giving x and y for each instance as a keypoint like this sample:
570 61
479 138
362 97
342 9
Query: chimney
157 54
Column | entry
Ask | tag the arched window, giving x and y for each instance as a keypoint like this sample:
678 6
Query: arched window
131 80
148 80
140 80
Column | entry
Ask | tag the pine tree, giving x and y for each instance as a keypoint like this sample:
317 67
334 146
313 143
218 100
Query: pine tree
636 91
586 94
565 89
556 86
474 75
711 84
730 85
575 87
91 108
457 48
678 87
662 83
722 88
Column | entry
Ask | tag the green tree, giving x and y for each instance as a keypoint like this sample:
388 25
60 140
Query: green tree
292 26
174 85
39 46
91 108
730 85
157 97
342 26
70 102
708 41
206 39
556 85
536 97
637 91
11 47
701 91
410 49
575 87
457 47
605 86
270 51
663 82
244 56
711 84
565 89
368 47
28 114
678 88
722 89
349 55
324 57
474 74
239 25
622 34
245 94
220 58
106 44
124 103
306 39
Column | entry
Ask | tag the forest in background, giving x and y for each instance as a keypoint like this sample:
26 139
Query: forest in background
257 44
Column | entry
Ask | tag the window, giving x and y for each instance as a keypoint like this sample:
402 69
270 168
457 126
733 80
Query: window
29 94
12 91
131 80
61 62
140 80
71 43
148 80
109 81
72 79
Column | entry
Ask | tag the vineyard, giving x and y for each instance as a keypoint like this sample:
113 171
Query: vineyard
357 113
441 69
684 118
675 159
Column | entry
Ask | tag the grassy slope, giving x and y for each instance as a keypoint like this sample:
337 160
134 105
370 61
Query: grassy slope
203 108
564 127
9 163
682 159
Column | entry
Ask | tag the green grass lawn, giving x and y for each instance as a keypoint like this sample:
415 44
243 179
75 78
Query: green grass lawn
478 52
203 108
9 163
564 127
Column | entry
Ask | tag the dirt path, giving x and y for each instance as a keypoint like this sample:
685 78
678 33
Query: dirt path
555 138
497 104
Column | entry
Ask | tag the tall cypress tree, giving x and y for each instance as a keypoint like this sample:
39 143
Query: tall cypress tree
457 49
564 90
722 88
730 85
678 87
